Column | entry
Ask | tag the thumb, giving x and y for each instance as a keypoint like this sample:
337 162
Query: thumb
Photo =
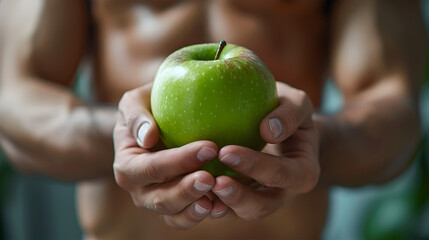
134 109
294 111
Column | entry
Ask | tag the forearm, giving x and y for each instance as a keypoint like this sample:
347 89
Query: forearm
368 143
46 130
377 63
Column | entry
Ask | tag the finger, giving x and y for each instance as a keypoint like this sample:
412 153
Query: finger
191 215
296 173
122 138
268 170
134 108
172 197
158 167
293 111
220 210
210 195
247 203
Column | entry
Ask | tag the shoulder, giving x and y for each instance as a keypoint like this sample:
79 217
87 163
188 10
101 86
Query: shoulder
47 37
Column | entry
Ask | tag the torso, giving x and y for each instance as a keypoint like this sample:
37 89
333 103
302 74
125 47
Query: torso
290 36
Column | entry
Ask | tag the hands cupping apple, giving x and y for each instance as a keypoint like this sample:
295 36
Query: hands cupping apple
169 181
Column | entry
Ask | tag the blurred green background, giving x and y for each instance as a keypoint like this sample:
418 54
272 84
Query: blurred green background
34 207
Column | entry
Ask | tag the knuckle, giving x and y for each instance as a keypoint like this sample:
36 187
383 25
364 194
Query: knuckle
137 200
237 199
121 176
303 98
188 194
122 180
184 165
301 94
152 171
277 179
311 178
249 168
120 162
162 205
124 99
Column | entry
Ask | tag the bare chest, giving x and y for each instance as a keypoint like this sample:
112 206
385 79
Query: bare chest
135 37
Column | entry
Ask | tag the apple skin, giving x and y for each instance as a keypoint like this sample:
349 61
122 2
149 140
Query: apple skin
197 98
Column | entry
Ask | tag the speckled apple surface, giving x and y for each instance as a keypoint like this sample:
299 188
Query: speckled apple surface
197 98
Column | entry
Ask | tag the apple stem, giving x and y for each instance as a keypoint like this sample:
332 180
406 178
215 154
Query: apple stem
222 44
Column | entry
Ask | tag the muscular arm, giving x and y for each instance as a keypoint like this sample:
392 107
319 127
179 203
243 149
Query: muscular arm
378 53
45 129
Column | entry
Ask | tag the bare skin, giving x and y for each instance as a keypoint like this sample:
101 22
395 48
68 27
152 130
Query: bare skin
358 43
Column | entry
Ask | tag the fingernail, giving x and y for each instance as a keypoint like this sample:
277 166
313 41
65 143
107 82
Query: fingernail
225 192
231 159
142 133
202 187
206 154
275 127
218 214
200 210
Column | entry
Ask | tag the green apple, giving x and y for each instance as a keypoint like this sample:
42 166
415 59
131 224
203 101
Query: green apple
195 97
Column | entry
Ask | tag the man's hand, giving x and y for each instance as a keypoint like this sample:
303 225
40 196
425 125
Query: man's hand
290 167
159 180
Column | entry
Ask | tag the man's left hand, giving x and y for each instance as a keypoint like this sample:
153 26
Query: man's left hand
288 166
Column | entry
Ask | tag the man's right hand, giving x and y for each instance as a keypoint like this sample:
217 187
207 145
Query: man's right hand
164 181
